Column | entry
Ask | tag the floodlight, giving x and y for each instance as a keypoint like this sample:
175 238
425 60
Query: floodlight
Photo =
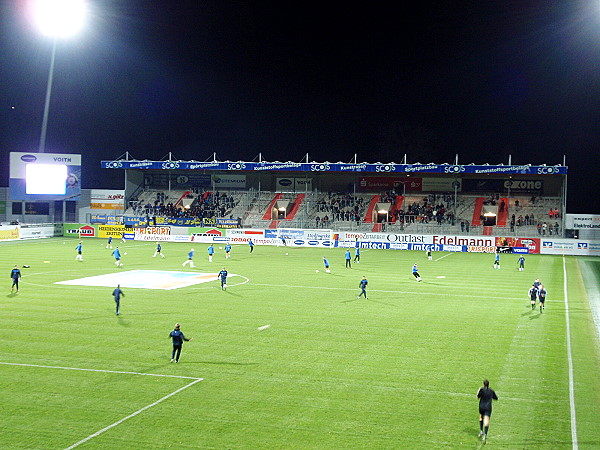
59 18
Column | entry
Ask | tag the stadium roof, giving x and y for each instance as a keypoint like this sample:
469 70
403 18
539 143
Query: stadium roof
313 166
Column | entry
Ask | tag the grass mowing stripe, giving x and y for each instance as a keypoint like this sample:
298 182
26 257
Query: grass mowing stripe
570 360
118 422
100 370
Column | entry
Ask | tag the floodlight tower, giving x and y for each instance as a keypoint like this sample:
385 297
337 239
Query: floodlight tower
56 19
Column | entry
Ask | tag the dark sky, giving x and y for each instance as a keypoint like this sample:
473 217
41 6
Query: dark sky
480 79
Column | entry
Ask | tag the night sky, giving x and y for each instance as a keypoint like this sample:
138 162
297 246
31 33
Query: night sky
480 79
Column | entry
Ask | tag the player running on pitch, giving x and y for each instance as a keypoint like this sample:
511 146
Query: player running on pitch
363 287
542 297
223 275
158 250
415 272
533 295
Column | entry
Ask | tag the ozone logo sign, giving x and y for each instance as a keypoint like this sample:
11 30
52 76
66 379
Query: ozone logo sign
28 158
285 182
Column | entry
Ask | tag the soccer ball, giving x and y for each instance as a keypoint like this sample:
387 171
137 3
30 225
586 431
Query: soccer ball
286 254
220 248
125 253
316 271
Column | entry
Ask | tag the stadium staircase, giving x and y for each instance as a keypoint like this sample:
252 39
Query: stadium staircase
184 195
369 214
502 216
267 215
297 202
397 206
476 220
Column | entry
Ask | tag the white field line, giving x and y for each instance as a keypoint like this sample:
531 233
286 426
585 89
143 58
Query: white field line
101 370
570 360
97 433
118 422
442 257
442 294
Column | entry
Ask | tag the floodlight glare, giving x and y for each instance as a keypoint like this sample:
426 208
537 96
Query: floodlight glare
59 18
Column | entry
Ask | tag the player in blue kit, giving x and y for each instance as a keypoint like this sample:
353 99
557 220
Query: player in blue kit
348 260
79 249
326 264
497 261
109 242
251 244
363 287
415 272
15 275
178 338
158 250
211 251
117 254
223 276
521 263
227 251
357 255
190 259
117 295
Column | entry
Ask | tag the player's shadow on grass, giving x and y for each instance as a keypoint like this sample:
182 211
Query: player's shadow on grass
535 316
223 363
381 303
232 293
12 295
122 321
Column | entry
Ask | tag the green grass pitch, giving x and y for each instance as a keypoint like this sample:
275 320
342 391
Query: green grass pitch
399 370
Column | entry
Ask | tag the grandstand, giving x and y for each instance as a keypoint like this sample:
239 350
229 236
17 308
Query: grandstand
502 200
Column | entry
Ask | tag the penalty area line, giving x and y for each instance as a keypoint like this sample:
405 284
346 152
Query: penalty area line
139 411
442 257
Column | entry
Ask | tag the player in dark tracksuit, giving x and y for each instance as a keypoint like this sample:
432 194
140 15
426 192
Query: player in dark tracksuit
542 297
485 396
178 338
223 275
533 295
15 274
117 295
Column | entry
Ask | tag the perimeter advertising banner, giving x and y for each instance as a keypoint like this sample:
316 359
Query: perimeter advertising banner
79 230
9 232
532 244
